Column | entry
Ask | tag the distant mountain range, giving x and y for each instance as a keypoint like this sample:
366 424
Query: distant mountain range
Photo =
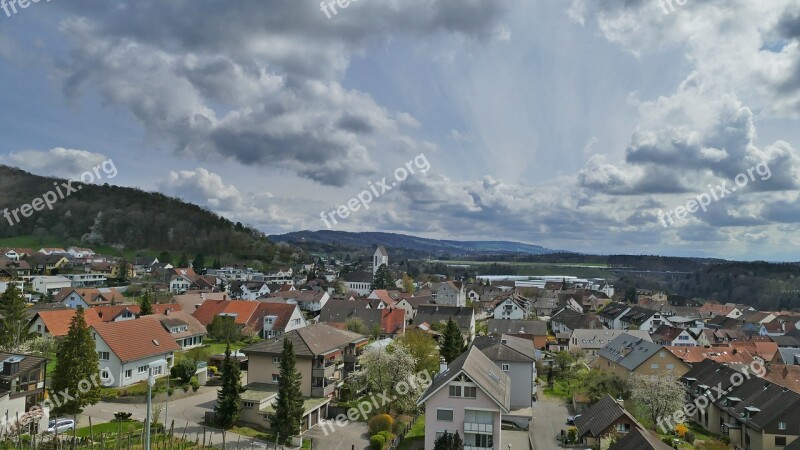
407 242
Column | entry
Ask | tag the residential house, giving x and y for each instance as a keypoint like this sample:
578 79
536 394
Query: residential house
187 331
83 280
319 349
618 316
627 355
51 251
610 315
10 253
753 413
591 341
729 355
359 283
126 350
264 318
544 306
513 307
390 321
379 258
123 312
639 439
566 321
606 418
451 293
87 297
283 275
47 264
533 330
516 357
463 317
669 336
181 280
308 300
22 389
12 269
382 297
717 309
470 397
78 252
49 284
248 290
410 305
55 322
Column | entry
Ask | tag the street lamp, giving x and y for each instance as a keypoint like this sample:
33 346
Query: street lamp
151 381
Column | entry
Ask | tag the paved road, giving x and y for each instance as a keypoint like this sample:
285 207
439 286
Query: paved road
186 412
353 435
518 440
549 418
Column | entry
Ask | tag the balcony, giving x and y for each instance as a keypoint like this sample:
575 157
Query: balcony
325 370
468 447
470 427
350 358
323 391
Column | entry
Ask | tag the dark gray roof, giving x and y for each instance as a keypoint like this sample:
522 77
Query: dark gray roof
442 313
574 320
313 340
598 417
638 315
790 355
794 445
502 347
517 326
613 310
339 311
482 371
358 277
628 351
639 439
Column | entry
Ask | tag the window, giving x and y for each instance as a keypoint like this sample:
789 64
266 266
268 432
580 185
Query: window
781 425
275 377
661 354
506 367
444 415
623 427
474 416
276 359
654 366
105 374
670 366
141 369
248 405
780 441
483 441
455 391
158 370
104 356
128 373
470 392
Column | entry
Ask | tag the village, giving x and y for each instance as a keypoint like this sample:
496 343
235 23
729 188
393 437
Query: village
310 357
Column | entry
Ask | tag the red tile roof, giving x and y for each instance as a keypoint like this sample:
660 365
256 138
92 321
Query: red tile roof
57 321
110 312
211 308
131 340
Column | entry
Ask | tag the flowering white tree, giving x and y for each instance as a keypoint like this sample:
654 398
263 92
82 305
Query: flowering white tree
657 396
390 371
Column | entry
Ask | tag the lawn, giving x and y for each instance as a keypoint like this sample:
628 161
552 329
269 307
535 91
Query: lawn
415 434
123 428
35 243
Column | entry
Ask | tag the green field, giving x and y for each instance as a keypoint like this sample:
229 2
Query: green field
35 243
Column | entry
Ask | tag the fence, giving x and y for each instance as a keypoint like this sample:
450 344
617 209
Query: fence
399 438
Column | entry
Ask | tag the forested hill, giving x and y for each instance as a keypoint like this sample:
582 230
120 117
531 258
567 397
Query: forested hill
107 215
370 240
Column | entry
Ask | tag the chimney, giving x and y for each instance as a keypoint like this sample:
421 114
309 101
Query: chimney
167 311
442 365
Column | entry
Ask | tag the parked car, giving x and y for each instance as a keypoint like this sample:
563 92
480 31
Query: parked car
60 426
571 419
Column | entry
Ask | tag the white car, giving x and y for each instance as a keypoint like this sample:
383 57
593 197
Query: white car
60 426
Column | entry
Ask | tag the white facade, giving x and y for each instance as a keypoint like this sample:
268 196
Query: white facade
448 294
12 255
360 288
80 252
81 280
50 284
508 309
115 373
379 258
296 320
179 285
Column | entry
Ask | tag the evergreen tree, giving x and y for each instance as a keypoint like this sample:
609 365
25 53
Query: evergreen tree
449 441
146 305
452 342
165 257
382 278
122 271
199 262
216 264
76 363
229 397
14 331
184 261
289 404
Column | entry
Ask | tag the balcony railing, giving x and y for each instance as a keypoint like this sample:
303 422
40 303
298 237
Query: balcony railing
323 391
470 427
325 371
350 358
468 447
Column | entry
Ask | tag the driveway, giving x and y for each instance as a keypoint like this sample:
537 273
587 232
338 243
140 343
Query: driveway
549 418
187 413
516 440
353 435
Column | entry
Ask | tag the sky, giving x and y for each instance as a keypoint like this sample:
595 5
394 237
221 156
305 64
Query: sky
621 126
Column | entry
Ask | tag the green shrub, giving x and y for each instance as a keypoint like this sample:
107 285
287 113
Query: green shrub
400 424
195 384
689 437
377 442
122 416
186 388
380 422
387 435
184 370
